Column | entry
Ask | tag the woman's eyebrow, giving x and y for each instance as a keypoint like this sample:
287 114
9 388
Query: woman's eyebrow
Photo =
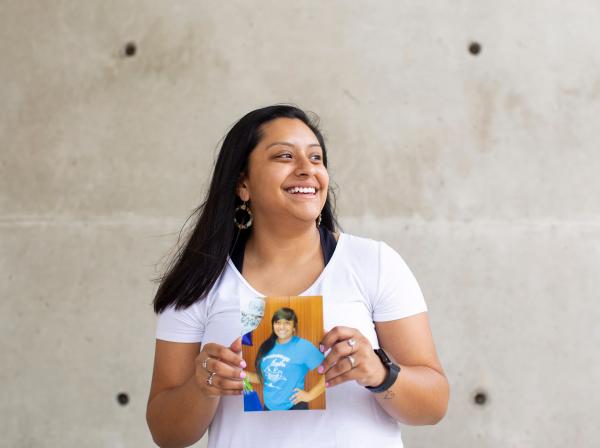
290 144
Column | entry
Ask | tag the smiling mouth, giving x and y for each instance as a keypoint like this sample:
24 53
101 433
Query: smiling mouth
302 190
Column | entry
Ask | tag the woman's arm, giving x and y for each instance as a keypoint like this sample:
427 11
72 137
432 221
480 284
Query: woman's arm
182 404
178 413
421 392
302 395
317 389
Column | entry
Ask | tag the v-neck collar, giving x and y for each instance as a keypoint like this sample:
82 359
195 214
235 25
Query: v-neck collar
245 282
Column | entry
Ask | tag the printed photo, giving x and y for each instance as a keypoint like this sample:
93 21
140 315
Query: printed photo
280 343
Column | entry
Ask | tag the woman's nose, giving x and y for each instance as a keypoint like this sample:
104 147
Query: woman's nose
304 166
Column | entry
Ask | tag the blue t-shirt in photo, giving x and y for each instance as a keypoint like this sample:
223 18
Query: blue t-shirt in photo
284 369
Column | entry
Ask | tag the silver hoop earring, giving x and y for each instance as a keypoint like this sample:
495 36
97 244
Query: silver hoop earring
248 218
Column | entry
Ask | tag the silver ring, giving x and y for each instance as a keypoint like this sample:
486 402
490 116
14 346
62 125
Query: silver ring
205 363
210 378
351 343
352 361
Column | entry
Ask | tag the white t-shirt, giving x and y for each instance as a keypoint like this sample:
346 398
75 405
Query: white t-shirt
365 281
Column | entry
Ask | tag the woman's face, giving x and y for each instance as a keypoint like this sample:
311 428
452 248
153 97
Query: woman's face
286 179
283 328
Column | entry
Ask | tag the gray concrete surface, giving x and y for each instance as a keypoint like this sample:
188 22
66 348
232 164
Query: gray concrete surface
482 171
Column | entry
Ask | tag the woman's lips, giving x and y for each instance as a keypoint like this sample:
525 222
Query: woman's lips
303 195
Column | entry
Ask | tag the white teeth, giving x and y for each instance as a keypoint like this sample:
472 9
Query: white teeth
304 190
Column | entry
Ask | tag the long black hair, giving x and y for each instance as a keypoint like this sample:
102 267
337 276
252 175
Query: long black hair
200 260
267 346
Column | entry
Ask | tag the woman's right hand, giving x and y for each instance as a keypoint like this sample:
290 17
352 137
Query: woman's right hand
227 365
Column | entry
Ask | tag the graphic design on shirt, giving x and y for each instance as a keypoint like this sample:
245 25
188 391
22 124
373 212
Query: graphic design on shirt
274 369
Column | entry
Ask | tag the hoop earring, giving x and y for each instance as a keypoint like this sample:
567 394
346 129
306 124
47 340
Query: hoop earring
248 220
319 219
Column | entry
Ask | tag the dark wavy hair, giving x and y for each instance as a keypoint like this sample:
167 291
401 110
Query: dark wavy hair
200 260
267 346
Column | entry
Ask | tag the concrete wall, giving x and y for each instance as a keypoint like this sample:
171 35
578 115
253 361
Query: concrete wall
481 170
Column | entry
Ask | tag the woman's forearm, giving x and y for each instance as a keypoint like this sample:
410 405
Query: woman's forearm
179 417
317 389
418 397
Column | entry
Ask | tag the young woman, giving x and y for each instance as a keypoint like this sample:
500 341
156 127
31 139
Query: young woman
269 199
282 363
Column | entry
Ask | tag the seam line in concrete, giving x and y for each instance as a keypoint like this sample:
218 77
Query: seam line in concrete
369 221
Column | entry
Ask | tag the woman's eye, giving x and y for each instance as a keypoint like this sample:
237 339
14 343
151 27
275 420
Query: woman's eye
285 155
317 157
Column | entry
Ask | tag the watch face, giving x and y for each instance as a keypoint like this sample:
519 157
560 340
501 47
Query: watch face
383 356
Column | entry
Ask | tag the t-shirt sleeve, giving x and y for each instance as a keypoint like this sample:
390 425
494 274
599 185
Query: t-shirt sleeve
184 325
398 293
313 357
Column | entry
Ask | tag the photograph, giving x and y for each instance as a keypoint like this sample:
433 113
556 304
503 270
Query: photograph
280 344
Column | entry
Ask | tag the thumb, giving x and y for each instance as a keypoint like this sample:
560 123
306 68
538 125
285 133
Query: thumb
236 345
324 334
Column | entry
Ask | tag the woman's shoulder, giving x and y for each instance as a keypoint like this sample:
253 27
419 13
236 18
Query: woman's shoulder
368 256
360 245
304 344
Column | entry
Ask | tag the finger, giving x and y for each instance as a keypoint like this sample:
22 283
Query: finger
231 392
348 376
216 392
222 383
225 354
335 335
236 346
321 347
342 367
218 386
338 351
224 370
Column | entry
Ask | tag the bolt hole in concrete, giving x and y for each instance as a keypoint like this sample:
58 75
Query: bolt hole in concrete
480 398
123 398
130 49
474 48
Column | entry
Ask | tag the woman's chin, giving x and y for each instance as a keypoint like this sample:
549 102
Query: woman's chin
307 218
306 214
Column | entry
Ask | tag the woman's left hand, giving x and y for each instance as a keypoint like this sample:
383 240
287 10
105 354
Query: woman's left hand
300 396
351 358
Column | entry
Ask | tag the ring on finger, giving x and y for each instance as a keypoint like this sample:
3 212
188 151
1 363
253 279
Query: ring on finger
351 343
210 378
205 364
352 361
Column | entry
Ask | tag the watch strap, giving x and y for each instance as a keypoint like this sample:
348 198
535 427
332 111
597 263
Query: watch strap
392 372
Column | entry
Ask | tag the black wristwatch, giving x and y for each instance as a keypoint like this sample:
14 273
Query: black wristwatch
392 369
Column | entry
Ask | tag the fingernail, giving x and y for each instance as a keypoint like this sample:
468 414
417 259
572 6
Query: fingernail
326 384
242 374
321 348
320 369
243 364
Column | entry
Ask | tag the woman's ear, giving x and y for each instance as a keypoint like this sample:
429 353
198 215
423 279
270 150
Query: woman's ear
242 188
